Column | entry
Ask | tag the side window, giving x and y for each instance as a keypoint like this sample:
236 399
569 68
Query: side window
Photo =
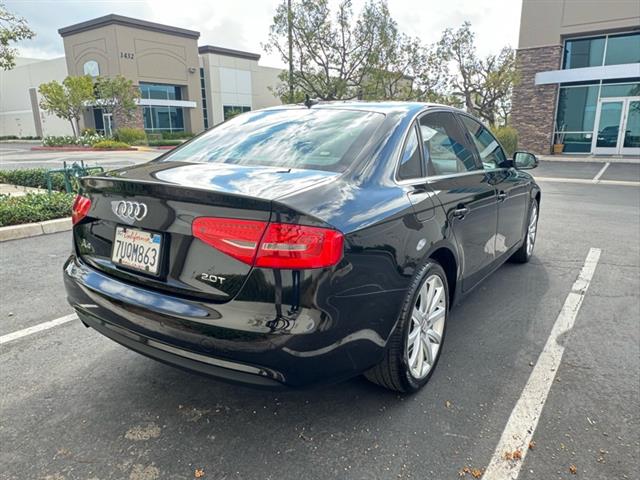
410 162
444 145
490 151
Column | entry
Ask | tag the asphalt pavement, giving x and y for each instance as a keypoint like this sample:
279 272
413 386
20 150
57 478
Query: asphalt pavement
74 405
20 155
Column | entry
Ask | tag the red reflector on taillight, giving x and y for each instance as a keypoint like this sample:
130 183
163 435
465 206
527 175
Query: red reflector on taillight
272 245
299 246
237 238
80 208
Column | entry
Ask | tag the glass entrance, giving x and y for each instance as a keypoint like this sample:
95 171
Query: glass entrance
631 136
617 127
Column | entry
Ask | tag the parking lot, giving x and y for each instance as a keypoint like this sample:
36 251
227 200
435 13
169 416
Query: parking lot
75 405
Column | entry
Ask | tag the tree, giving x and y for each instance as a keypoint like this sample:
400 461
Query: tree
117 96
343 56
67 100
12 29
484 85
330 56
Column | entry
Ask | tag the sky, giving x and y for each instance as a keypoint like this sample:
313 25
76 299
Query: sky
244 24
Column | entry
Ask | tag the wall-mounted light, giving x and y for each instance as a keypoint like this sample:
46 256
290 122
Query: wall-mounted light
192 69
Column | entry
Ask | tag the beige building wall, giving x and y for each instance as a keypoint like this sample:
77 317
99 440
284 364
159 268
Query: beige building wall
16 108
237 82
545 22
141 55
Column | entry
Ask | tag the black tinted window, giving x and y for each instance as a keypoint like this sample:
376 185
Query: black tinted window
410 163
317 138
444 145
489 149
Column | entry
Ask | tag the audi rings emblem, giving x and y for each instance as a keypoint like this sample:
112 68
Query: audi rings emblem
129 211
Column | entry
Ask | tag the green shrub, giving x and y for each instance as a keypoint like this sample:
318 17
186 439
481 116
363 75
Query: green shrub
89 131
165 143
32 177
109 144
176 135
15 137
86 139
132 136
154 137
508 138
34 207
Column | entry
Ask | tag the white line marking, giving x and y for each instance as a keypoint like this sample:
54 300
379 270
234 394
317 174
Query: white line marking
602 170
9 337
526 413
588 181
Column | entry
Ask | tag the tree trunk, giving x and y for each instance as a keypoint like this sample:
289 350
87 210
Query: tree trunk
73 127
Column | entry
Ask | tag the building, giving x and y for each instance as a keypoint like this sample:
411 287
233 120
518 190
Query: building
580 77
183 87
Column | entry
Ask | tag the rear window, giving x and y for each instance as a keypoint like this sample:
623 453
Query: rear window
320 139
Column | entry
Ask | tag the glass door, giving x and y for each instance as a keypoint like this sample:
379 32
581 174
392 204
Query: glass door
631 128
608 123
617 127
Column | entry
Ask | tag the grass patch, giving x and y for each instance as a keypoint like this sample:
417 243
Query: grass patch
34 207
165 143
110 144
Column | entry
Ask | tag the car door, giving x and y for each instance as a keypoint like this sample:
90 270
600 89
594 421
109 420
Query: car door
512 188
464 190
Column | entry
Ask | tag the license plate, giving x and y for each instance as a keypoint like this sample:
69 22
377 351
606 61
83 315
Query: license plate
137 249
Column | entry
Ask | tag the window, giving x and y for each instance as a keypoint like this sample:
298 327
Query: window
576 116
620 90
490 151
203 94
623 49
231 111
604 50
410 161
91 68
444 145
157 119
585 52
159 91
318 138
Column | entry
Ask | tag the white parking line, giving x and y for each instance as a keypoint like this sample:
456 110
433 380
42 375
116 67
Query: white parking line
588 181
599 174
525 415
9 337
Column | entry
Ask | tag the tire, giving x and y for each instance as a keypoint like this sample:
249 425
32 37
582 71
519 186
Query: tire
524 253
394 371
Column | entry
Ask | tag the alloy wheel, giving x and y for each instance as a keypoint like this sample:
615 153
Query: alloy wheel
427 327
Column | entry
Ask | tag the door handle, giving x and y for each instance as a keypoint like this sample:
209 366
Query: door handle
502 196
460 212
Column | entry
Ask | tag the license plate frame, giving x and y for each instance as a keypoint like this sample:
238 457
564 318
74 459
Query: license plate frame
150 241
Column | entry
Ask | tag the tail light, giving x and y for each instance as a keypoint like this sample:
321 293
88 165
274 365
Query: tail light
80 208
273 245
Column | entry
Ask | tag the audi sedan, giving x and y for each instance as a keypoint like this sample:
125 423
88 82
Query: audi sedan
302 245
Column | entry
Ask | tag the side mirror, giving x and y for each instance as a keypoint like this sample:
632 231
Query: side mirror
524 160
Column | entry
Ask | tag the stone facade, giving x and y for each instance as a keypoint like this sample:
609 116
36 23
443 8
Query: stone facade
533 112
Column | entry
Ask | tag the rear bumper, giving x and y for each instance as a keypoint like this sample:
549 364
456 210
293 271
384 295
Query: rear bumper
256 343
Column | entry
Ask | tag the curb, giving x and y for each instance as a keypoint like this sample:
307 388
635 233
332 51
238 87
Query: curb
15 232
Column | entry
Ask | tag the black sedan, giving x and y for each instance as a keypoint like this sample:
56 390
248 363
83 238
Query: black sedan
297 246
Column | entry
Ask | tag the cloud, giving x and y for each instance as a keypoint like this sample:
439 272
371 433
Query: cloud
244 24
